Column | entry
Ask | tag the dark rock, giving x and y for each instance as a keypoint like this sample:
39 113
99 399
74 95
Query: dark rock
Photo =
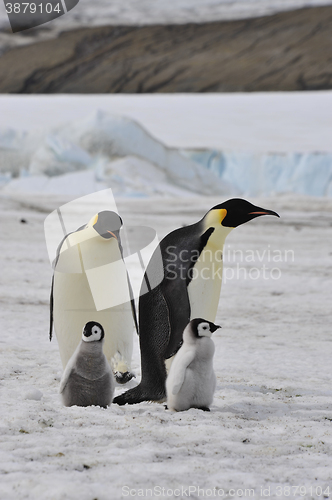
285 51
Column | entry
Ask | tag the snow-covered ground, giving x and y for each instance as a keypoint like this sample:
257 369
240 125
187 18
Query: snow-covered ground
269 428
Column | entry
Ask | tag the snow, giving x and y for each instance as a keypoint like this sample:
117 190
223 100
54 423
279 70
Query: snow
249 145
269 428
270 423
255 122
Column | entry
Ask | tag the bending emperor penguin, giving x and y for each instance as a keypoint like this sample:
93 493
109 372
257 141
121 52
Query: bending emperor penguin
189 288
90 283
88 379
191 381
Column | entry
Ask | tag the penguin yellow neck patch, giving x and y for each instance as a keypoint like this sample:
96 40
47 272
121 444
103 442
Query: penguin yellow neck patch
214 218
93 221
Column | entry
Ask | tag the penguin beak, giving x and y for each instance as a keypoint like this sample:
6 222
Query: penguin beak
113 235
214 328
264 212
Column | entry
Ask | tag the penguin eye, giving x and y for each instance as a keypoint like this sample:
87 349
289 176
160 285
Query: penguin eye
95 330
203 327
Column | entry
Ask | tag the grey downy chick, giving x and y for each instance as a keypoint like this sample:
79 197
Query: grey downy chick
88 379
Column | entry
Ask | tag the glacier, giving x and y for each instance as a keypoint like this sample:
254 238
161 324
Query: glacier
255 174
105 150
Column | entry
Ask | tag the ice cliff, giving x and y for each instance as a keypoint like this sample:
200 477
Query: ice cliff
112 151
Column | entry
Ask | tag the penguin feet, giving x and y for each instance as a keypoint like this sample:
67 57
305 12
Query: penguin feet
138 395
123 378
204 408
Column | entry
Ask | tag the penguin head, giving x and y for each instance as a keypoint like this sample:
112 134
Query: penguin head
93 332
107 224
199 327
234 212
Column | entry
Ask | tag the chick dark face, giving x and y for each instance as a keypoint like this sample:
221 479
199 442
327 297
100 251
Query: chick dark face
203 328
240 211
93 332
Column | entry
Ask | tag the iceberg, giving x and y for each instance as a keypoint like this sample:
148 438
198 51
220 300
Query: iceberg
111 136
254 174
108 151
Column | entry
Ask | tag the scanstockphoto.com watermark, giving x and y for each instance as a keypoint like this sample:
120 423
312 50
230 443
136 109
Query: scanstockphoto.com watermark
185 492
239 264
280 491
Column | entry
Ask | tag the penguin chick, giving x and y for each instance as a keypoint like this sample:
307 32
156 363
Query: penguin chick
191 381
88 379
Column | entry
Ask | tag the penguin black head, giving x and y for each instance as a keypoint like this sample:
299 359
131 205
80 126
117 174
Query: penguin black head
202 328
234 212
93 332
107 224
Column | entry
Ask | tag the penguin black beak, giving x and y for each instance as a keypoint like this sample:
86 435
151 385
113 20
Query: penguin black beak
214 328
264 212
107 235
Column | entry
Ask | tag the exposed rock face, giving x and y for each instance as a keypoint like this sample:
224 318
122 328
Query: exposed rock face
286 51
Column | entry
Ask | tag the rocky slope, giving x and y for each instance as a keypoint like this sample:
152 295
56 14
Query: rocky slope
285 51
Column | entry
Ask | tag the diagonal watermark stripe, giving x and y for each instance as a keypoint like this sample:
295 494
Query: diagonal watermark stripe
73 247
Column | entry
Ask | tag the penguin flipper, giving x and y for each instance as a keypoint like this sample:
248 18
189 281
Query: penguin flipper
51 310
132 303
69 369
52 286
64 380
178 307
180 372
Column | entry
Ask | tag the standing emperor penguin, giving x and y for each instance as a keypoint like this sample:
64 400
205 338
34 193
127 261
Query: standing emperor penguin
191 381
88 379
189 288
90 283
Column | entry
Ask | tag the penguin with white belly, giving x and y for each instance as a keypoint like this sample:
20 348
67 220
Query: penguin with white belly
88 379
189 288
191 381
90 283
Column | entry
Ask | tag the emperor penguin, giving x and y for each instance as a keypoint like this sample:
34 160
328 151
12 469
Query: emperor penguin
190 288
191 381
90 283
88 379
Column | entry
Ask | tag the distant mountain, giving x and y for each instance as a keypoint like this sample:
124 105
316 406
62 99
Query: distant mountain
286 51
